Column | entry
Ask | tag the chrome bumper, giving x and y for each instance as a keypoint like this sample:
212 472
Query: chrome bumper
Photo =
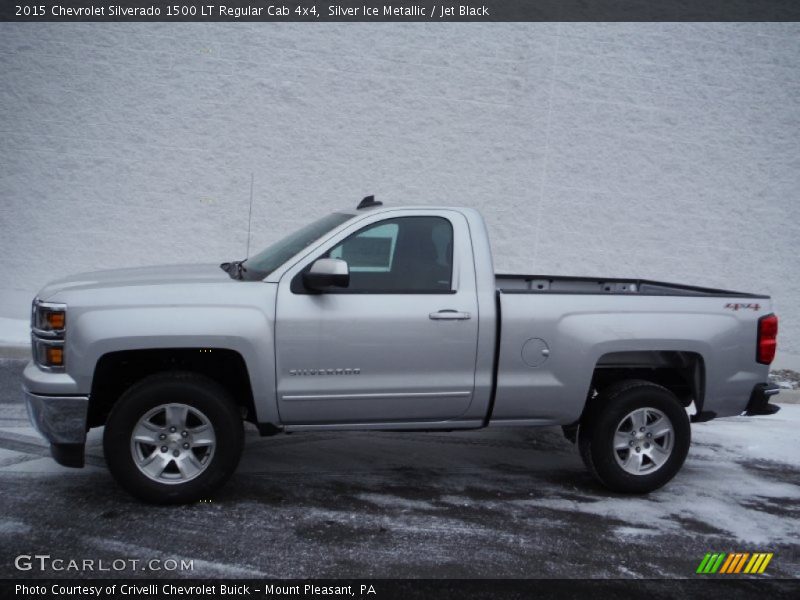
62 421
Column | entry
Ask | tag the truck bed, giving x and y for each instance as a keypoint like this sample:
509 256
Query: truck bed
556 284
549 347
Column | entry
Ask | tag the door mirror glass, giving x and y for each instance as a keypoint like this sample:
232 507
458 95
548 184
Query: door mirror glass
327 273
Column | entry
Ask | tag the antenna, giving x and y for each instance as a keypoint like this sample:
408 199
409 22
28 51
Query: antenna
249 216
368 202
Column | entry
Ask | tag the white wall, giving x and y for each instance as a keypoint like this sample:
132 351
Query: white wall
666 151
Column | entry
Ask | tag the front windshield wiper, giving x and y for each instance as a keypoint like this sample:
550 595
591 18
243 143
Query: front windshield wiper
235 269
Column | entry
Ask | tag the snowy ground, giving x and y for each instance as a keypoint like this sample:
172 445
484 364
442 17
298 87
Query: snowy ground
494 503
787 379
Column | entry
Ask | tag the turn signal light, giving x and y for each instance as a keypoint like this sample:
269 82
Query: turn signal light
767 339
55 356
48 354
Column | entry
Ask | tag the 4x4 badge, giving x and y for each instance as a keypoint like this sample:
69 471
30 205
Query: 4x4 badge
738 305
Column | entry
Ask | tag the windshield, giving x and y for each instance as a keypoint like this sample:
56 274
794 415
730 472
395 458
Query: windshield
269 259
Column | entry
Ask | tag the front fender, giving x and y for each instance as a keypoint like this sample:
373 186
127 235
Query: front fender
245 330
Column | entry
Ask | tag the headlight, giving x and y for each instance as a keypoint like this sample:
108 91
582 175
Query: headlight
49 319
48 328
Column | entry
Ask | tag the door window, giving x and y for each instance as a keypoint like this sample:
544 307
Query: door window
370 250
402 255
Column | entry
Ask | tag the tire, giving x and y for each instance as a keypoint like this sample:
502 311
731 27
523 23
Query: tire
183 464
618 453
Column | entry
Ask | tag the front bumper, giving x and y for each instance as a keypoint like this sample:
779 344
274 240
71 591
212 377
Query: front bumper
62 421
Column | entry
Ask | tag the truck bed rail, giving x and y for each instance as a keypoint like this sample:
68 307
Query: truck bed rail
559 284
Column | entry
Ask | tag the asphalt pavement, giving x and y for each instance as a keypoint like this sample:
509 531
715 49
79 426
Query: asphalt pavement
490 503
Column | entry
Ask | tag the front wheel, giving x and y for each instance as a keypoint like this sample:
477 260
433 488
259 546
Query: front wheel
173 438
635 436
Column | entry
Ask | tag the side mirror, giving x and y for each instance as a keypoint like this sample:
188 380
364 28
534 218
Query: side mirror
326 273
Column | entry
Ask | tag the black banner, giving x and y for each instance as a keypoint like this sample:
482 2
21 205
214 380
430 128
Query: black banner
731 588
401 10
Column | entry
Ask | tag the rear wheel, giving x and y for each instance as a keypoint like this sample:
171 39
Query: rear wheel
173 438
635 436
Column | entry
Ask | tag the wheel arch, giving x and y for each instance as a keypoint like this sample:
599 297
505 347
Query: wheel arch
117 371
681 372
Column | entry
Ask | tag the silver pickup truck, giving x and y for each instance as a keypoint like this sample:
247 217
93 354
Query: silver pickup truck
384 319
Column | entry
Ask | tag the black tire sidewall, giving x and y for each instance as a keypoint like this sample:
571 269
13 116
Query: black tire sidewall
193 390
603 427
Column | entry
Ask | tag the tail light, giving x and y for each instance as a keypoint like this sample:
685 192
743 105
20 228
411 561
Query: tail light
767 339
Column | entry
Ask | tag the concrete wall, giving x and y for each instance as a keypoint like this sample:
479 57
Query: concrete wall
667 151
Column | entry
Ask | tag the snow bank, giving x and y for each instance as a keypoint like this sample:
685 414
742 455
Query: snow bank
14 332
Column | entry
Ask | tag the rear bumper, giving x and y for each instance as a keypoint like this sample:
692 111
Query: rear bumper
759 400
61 420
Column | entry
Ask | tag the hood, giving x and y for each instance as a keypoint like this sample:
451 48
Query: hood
139 276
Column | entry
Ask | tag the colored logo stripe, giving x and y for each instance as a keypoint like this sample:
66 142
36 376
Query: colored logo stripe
711 562
765 563
703 563
758 563
741 562
727 564
736 562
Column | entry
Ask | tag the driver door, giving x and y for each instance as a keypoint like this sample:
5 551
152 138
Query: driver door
399 343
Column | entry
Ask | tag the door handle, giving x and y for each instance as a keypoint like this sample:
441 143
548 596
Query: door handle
449 315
